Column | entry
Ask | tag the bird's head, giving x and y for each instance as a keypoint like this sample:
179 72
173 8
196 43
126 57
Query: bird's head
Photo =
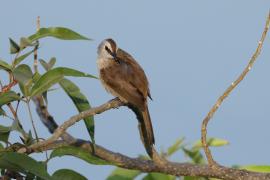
108 49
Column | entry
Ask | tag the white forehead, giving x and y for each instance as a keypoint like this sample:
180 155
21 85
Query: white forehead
103 44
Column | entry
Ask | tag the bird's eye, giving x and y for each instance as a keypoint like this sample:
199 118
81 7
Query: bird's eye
106 48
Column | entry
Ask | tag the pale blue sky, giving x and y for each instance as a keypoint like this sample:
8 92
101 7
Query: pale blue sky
190 50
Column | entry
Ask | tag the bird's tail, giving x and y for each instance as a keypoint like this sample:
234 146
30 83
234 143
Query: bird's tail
145 128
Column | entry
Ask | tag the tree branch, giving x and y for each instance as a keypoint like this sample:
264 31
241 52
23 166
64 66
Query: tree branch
120 160
228 91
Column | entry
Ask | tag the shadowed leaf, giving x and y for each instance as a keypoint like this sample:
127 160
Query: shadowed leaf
23 163
194 155
81 104
4 133
14 47
123 174
21 58
158 176
8 97
67 174
5 66
79 153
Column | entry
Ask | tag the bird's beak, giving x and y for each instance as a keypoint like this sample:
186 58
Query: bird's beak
113 54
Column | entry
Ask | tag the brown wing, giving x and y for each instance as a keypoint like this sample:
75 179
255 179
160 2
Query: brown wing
117 80
138 77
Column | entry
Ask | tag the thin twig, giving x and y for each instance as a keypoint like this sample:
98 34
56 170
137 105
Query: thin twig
61 129
32 120
227 92
15 118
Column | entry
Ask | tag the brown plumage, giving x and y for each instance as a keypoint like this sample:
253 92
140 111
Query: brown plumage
123 77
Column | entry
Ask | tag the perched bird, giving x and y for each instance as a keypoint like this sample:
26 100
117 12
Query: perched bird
124 78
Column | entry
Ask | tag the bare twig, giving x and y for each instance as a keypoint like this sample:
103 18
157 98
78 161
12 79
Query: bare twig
227 92
36 48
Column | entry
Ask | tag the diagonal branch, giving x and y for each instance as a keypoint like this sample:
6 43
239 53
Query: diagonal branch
228 91
61 129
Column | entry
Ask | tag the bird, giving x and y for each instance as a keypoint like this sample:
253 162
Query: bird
124 78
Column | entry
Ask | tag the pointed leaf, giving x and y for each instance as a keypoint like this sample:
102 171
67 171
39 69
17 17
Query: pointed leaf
257 168
53 76
67 174
5 66
23 163
81 103
57 32
2 112
158 176
175 147
51 62
194 155
214 142
44 64
79 153
8 97
14 47
4 133
21 58
123 174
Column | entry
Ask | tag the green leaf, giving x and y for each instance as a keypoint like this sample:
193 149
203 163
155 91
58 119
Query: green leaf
14 47
23 163
4 133
256 168
79 153
123 174
22 57
81 103
8 97
5 66
49 65
51 62
57 32
53 76
24 42
67 174
158 176
194 155
2 112
214 142
23 74
197 178
175 147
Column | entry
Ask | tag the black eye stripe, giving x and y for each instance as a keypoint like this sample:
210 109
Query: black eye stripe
108 50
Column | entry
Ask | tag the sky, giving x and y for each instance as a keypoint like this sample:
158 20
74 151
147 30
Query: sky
191 52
